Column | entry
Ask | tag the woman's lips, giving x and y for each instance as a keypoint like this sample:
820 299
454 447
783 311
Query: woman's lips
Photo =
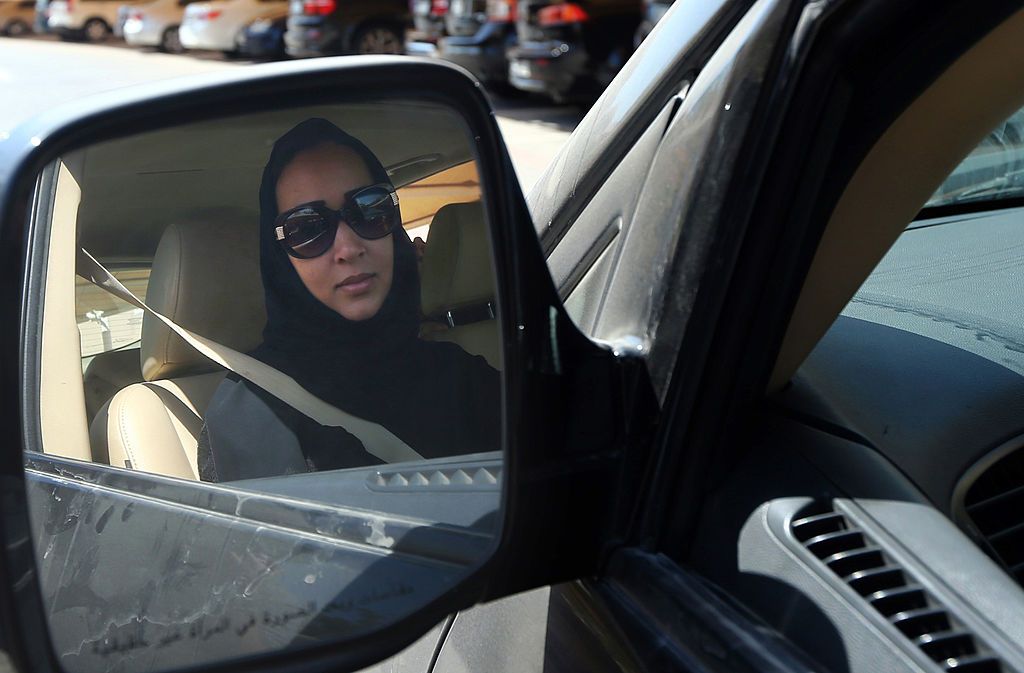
356 284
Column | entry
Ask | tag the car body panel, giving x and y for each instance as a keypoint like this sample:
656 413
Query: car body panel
222 33
146 23
70 18
264 37
17 17
572 61
484 53
334 34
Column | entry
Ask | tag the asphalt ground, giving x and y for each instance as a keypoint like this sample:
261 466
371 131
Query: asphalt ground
40 72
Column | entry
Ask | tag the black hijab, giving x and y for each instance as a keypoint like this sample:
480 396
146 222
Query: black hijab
296 320
434 396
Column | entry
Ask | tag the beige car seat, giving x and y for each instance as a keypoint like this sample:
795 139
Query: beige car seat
457 282
205 277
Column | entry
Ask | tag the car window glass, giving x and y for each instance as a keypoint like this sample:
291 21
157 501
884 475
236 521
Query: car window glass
993 171
106 323
952 276
320 451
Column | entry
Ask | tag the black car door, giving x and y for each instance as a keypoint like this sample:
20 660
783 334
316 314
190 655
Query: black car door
695 584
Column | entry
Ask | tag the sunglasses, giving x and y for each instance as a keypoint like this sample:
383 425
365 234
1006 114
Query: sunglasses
308 230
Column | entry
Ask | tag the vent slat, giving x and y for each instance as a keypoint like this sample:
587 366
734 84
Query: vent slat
893 601
819 524
998 499
973 663
875 579
1001 536
914 623
948 645
828 544
846 563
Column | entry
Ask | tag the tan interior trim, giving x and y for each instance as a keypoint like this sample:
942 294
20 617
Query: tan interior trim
899 174
62 416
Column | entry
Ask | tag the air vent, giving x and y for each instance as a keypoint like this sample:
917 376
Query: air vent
995 505
891 591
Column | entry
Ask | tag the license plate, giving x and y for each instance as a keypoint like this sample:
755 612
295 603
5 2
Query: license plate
520 69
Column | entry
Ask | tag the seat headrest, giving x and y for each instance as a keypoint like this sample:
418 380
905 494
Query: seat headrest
457 262
206 278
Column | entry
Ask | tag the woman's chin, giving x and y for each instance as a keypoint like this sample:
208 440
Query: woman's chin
356 311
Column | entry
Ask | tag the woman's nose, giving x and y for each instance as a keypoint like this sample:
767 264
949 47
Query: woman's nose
347 243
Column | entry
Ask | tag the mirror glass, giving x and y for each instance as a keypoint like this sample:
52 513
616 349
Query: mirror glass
263 380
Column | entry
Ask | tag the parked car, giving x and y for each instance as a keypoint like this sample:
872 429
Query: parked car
653 11
264 37
155 24
570 51
483 52
326 27
90 20
427 26
16 17
760 325
218 25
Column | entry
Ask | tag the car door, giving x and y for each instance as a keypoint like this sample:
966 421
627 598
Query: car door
587 209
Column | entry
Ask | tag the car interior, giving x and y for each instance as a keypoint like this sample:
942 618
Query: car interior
883 490
172 214
873 511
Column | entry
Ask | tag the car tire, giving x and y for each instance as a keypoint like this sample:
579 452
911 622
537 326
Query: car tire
96 30
378 38
170 42
17 28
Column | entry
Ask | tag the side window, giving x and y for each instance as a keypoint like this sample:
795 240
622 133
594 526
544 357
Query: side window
105 322
994 170
267 366
422 199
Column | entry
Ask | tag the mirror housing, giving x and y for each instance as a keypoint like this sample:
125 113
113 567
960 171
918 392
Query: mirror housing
578 417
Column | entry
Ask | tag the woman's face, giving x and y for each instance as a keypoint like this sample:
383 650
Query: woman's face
354 276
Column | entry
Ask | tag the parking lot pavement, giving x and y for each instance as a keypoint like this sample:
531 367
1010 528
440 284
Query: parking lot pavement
40 72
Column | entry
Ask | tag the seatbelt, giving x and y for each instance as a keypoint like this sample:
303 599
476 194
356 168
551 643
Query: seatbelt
376 439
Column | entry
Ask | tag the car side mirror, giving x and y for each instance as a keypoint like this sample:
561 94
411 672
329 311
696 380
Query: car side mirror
260 418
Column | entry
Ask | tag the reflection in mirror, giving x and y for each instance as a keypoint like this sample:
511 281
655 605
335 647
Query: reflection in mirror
269 389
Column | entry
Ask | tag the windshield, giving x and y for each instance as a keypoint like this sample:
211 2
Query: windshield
993 171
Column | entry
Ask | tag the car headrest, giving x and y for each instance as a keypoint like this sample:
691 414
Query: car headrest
457 263
206 278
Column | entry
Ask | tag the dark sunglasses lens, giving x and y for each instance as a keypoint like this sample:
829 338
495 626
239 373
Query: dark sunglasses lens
377 210
307 233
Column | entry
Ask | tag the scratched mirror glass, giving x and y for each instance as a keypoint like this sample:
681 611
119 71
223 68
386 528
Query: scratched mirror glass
265 360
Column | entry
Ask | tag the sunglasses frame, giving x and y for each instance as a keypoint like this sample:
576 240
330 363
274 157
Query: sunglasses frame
348 212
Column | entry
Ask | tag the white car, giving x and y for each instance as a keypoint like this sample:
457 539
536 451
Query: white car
155 24
92 20
218 25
